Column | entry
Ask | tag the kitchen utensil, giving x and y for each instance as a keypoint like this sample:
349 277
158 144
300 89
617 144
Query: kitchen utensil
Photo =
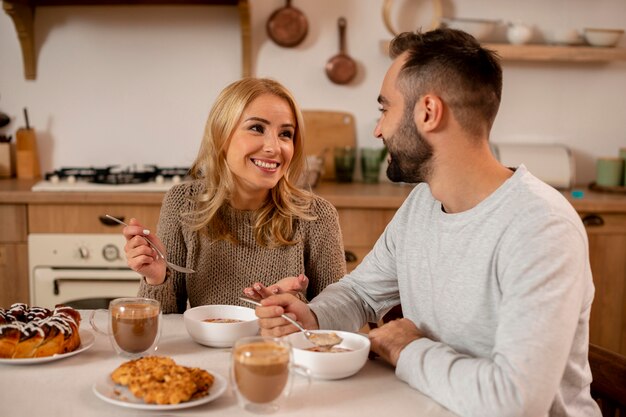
287 26
434 23
26 155
341 69
322 340
170 264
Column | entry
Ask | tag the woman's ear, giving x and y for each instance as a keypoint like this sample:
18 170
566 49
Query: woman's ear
429 113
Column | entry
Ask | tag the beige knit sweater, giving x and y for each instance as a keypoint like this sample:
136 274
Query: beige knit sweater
223 269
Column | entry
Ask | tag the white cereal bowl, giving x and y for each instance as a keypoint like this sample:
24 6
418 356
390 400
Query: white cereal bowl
331 365
602 37
220 334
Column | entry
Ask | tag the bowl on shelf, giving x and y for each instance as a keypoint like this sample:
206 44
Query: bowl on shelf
220 325
478 28
565 37
346 359
602 37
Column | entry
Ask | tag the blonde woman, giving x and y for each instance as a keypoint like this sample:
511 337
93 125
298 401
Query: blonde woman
241 219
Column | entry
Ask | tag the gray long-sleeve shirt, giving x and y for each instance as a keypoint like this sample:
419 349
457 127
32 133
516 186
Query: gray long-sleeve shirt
503 292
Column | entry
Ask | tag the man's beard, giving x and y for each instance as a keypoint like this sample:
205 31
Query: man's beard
410 153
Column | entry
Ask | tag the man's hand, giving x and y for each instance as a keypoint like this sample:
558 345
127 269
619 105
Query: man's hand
272 324
389 339
291 285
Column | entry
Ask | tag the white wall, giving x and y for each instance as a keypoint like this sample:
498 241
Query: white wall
133 85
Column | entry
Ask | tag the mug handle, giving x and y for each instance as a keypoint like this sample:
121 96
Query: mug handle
301 371
92 321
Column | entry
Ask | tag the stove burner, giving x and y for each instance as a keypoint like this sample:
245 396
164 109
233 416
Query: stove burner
114 175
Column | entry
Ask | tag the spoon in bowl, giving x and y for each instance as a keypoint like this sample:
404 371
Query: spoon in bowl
325 341
170 264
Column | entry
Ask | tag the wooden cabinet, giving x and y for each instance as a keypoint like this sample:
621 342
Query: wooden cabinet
88 218
607 253
359 239
13 254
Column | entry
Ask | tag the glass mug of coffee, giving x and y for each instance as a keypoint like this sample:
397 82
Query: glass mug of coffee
134 325
262 373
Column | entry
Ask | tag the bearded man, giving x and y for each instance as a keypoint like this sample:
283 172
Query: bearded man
489 264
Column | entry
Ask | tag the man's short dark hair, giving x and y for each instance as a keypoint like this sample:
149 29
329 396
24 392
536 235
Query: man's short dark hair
453 65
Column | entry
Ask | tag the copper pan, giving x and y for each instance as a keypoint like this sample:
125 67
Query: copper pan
287 26
341 69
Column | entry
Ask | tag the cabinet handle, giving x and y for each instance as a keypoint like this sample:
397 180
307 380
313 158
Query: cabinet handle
593 220
108 222
350 256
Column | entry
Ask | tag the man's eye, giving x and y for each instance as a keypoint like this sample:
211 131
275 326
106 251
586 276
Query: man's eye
382 109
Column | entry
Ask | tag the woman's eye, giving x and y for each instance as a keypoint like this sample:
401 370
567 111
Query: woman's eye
258 128
287 134
382 110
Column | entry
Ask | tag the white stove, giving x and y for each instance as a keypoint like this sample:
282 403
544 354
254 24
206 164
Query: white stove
112 179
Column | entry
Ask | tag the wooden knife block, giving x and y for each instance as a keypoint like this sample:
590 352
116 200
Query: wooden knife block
26 156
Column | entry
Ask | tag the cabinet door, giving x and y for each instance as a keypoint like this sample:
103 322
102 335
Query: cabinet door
75 218
607 254
13 274
361 228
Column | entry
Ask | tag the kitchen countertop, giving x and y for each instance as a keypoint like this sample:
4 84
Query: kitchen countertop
376 196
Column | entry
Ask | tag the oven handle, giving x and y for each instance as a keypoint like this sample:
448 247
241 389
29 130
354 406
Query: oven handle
108 222
58 281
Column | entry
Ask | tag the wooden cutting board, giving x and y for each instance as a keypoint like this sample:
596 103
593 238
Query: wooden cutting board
325 130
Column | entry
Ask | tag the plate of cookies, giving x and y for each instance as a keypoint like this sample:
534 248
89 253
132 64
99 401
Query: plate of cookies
159 383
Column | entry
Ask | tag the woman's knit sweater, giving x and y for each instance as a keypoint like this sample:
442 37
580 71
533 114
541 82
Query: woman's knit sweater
223 268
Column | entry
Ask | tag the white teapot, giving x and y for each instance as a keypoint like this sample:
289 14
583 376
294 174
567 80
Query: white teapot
519 33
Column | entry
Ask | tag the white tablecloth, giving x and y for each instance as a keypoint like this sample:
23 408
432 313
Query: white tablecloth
63 388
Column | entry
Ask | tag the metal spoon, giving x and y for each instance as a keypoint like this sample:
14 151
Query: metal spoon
324 341
170 264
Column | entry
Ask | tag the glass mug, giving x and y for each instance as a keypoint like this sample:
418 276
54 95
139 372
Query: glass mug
262 373
134 325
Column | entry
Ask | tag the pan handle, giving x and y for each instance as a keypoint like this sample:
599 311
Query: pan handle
341 23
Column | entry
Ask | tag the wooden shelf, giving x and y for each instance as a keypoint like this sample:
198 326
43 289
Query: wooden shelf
550 53
555 53
22 12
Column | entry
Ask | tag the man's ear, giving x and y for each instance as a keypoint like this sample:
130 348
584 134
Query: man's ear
428 113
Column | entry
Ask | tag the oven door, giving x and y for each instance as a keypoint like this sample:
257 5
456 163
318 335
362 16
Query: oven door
82 288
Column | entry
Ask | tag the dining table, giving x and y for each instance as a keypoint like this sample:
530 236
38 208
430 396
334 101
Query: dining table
69 385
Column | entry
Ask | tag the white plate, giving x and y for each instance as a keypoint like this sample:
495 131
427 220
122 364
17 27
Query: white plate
86 341
110 392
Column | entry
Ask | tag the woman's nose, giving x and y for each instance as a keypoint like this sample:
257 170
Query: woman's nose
270 143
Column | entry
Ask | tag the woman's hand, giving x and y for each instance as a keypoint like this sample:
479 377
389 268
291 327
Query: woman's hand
140 256
288 285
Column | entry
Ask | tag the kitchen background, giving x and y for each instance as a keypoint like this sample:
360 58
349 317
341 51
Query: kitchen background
133 85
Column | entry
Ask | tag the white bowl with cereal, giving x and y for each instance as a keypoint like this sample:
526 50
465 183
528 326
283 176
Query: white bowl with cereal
342 361
220 325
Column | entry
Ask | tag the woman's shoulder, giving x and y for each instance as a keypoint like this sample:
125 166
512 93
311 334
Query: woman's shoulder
183 193
322 208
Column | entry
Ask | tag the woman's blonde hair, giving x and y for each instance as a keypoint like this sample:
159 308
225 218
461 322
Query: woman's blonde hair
274 221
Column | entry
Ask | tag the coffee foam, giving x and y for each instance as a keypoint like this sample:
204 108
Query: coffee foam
262 354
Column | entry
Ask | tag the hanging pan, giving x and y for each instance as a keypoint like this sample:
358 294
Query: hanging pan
341 69
287 26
